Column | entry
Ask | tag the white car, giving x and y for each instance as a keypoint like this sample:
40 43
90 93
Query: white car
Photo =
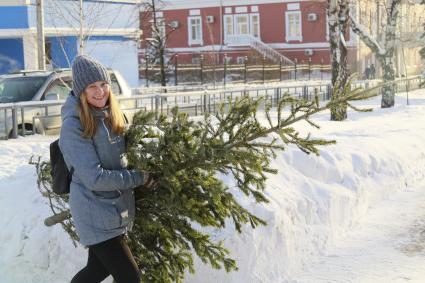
31 86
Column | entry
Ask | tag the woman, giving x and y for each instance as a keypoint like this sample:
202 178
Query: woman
101 194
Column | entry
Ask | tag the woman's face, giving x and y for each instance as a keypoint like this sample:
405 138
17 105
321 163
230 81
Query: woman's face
97 94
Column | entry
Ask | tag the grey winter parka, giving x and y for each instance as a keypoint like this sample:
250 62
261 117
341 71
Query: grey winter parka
101 195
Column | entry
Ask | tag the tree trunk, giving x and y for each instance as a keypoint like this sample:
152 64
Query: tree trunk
162 67
384 55
387 60
338 15
388 92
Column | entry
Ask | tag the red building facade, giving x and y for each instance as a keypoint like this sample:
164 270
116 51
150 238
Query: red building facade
279 30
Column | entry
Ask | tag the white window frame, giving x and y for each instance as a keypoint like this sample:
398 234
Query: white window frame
287 23
327 25
251 25
226 32
235 24
189 33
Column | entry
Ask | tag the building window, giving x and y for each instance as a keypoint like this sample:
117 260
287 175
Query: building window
228 25
195 30
255 25
196 60
240 59
241 24
293 26
227 60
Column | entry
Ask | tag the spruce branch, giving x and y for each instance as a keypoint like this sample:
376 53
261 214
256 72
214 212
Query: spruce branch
187 157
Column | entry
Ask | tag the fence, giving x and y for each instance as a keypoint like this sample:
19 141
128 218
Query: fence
199 74
44 116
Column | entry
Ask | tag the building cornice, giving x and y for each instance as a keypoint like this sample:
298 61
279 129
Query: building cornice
194 4
16 33
276 46
15 3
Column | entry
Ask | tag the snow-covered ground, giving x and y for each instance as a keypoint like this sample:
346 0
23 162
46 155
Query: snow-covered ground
356 213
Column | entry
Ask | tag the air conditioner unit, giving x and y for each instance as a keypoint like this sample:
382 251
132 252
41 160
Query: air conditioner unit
210 19
312 17
174 24
308 52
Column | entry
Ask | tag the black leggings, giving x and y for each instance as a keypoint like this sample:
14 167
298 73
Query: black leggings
111 257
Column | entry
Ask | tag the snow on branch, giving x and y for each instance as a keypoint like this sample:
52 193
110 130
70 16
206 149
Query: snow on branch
366 38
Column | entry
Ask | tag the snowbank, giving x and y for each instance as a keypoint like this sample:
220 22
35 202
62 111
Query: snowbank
313 200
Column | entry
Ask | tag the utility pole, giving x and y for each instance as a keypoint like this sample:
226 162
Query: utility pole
80 50
41 50
378 34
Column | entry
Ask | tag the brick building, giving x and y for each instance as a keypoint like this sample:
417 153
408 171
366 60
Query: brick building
286 30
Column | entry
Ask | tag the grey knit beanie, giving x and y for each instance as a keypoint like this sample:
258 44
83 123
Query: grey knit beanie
85 71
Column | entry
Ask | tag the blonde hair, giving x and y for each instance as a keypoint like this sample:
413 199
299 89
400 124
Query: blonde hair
89 123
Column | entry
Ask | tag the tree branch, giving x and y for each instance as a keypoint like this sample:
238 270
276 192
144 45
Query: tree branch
366 38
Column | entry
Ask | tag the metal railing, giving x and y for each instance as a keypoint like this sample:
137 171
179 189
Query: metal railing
36 115
257 44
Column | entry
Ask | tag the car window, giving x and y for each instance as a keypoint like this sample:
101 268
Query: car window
61 87
115 87
16 89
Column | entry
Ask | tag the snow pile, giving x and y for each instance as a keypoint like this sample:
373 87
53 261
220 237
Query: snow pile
314 201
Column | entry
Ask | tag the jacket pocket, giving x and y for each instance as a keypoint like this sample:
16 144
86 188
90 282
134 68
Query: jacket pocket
115 209
107 194
105 215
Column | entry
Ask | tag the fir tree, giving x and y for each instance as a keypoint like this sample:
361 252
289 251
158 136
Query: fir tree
187 156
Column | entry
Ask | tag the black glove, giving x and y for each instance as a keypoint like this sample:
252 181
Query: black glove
150 181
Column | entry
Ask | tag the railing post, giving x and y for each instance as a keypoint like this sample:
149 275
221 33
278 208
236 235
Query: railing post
5 124
245 70
309 68
407 90
328 91
280 70
277 96
14 122
264 69
23 122
157 98
224 70
175 69
305 92
146 69
205 101
201 62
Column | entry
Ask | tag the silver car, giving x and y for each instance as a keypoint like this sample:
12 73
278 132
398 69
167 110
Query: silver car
37 97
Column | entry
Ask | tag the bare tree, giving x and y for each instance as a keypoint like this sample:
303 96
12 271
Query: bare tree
385 51
338 11
155 46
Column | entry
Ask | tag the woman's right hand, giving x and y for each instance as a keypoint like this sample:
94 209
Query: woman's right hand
149 180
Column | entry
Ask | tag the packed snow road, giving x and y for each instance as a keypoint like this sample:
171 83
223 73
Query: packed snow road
388 246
